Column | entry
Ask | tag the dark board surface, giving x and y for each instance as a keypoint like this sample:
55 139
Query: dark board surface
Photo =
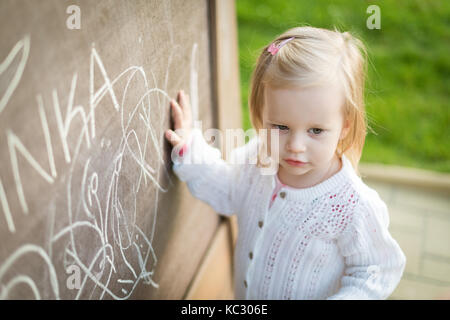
85 182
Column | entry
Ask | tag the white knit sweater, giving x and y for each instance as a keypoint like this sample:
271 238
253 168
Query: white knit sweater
329 241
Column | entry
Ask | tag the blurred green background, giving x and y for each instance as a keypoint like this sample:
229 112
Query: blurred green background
407 88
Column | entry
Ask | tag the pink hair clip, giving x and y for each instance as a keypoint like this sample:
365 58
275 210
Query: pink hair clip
273 49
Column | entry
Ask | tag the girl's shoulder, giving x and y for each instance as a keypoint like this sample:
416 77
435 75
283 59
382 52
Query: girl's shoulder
367 194
369 202
357 186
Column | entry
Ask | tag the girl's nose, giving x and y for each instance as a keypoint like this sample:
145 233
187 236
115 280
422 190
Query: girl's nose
296 143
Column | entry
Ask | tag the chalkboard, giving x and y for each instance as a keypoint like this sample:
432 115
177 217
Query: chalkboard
90 208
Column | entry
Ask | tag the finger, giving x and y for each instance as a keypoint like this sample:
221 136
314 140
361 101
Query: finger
177 115
180 93
185 104
173 138
181 98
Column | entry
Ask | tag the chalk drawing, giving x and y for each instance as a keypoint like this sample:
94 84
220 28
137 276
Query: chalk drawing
14 144
120 252
21 46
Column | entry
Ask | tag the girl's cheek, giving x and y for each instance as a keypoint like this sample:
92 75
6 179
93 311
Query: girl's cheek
323 148
274 142
280 143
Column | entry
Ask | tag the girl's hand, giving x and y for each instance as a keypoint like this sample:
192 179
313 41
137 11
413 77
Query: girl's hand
182 118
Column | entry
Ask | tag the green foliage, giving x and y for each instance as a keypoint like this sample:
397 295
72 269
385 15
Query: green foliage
407 89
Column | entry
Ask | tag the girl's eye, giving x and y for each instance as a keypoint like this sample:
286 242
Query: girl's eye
316 131
281 127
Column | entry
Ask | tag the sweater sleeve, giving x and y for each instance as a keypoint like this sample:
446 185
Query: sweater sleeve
208 177
374 262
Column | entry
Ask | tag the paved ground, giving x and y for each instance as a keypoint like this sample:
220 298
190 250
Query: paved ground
420 222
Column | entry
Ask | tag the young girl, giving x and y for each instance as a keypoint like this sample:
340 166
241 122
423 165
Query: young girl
312 230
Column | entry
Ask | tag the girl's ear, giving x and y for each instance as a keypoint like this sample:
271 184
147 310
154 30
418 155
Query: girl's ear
345 129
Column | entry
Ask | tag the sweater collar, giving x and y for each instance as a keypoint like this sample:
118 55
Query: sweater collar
329 185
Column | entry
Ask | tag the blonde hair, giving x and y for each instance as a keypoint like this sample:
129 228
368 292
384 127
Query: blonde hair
316 56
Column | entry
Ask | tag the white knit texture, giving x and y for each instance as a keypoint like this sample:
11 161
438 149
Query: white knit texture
329 241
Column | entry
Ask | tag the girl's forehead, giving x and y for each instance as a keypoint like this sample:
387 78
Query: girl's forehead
319 93
311 103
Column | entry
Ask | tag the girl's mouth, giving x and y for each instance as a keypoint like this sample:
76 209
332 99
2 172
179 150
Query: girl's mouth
295 163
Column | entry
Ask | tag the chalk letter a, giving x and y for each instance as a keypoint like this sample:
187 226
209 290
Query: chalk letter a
74 280
373 21
74 20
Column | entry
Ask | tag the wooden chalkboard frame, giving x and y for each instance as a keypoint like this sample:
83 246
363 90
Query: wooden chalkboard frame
214 280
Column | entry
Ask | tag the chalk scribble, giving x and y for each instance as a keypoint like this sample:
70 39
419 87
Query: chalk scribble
100 194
